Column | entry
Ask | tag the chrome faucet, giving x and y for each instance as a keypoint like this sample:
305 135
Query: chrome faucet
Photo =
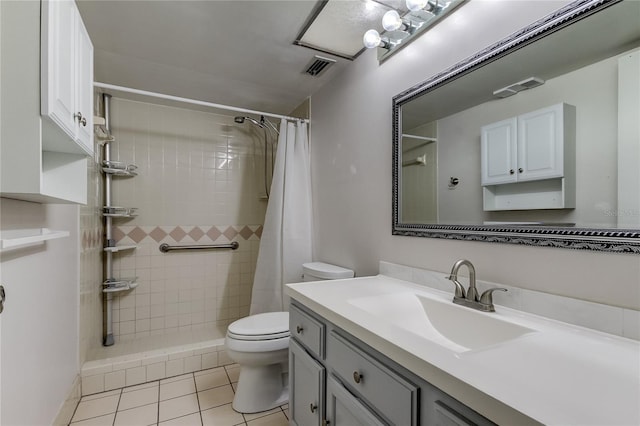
470 297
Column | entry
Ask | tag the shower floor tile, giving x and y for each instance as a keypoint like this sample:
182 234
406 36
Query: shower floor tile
201 398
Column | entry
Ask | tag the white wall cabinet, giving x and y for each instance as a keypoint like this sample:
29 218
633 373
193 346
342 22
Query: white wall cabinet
499 152
67 77
39 161
528 162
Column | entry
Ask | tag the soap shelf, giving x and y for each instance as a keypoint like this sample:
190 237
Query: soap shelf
116 249
117 285
118 168
11 239
110 211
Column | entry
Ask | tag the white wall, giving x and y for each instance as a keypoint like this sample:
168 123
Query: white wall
40 320
351 162
419 190
596 122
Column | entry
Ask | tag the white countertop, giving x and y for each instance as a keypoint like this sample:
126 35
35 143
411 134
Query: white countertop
562 374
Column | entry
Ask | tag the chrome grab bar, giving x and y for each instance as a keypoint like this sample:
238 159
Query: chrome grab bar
164 248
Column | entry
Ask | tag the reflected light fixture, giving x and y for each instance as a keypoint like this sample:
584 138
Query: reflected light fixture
528 83
401 26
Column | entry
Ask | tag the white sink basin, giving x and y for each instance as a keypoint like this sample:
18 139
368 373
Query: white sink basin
458 328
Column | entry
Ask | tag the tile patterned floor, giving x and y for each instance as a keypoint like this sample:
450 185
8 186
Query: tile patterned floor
201 398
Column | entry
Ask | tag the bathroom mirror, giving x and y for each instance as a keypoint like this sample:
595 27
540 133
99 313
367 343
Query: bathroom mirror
584 55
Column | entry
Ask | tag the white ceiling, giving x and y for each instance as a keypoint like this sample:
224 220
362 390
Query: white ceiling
238 52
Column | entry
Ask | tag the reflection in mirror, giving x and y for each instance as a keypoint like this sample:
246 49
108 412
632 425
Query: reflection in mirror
419 174
547 135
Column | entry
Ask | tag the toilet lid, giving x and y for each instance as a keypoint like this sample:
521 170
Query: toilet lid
270 325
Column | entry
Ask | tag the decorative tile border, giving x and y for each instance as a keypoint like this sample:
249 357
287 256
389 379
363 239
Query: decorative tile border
180 233
91 239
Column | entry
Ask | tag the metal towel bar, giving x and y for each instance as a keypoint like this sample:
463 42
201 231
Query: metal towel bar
167 248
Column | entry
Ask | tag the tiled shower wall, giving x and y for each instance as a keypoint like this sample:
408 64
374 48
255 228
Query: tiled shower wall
91 244
200 181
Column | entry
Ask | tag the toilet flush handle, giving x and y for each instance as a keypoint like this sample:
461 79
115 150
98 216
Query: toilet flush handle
299 329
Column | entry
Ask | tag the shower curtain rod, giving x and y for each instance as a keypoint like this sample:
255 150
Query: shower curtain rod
193 101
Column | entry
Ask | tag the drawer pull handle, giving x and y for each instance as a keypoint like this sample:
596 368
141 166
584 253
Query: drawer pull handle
313 407
299 329
357 377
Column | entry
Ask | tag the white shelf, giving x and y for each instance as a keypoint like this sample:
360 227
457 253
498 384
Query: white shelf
119 211
535 195
117 289
118 168
120 248
119 172
17 238
121 284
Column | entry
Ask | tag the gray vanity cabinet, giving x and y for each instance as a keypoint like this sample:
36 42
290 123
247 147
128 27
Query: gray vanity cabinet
394 397
344 409
306 376
337 380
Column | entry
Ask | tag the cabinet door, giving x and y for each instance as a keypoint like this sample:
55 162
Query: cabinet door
344 409
393 397
306 387
58 43
84 87
540 144
499 152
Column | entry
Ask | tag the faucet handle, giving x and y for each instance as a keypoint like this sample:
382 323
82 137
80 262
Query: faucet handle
487 296
459 288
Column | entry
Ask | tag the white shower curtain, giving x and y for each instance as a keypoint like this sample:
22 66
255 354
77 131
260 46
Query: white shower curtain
286 237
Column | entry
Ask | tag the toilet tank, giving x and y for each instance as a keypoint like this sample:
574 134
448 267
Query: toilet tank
316 271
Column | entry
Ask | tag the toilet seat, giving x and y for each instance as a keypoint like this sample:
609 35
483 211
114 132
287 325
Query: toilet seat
266 326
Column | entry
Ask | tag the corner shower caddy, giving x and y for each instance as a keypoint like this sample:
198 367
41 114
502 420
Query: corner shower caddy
113 169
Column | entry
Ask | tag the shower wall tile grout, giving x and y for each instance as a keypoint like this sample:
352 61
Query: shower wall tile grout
200 180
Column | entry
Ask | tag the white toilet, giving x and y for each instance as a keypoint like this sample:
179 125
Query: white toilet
260 345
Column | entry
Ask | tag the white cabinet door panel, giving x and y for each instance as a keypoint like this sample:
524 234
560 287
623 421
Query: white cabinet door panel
499 152
59 98
540 147
66 78
84 89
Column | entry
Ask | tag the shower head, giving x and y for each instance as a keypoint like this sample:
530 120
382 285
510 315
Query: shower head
241 120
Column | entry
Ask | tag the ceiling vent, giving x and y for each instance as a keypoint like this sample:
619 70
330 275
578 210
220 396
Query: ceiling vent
528 83
318 65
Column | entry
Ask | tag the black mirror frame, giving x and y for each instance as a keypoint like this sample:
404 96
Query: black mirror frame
607 240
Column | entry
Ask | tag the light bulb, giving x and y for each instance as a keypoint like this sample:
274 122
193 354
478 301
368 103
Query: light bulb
415 5
391 21
371 39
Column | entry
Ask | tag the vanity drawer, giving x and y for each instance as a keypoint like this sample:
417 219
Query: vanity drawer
393 397
307 330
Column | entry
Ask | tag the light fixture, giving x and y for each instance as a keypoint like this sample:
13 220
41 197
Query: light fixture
372 39
415 5
528 83
391 20
401 26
